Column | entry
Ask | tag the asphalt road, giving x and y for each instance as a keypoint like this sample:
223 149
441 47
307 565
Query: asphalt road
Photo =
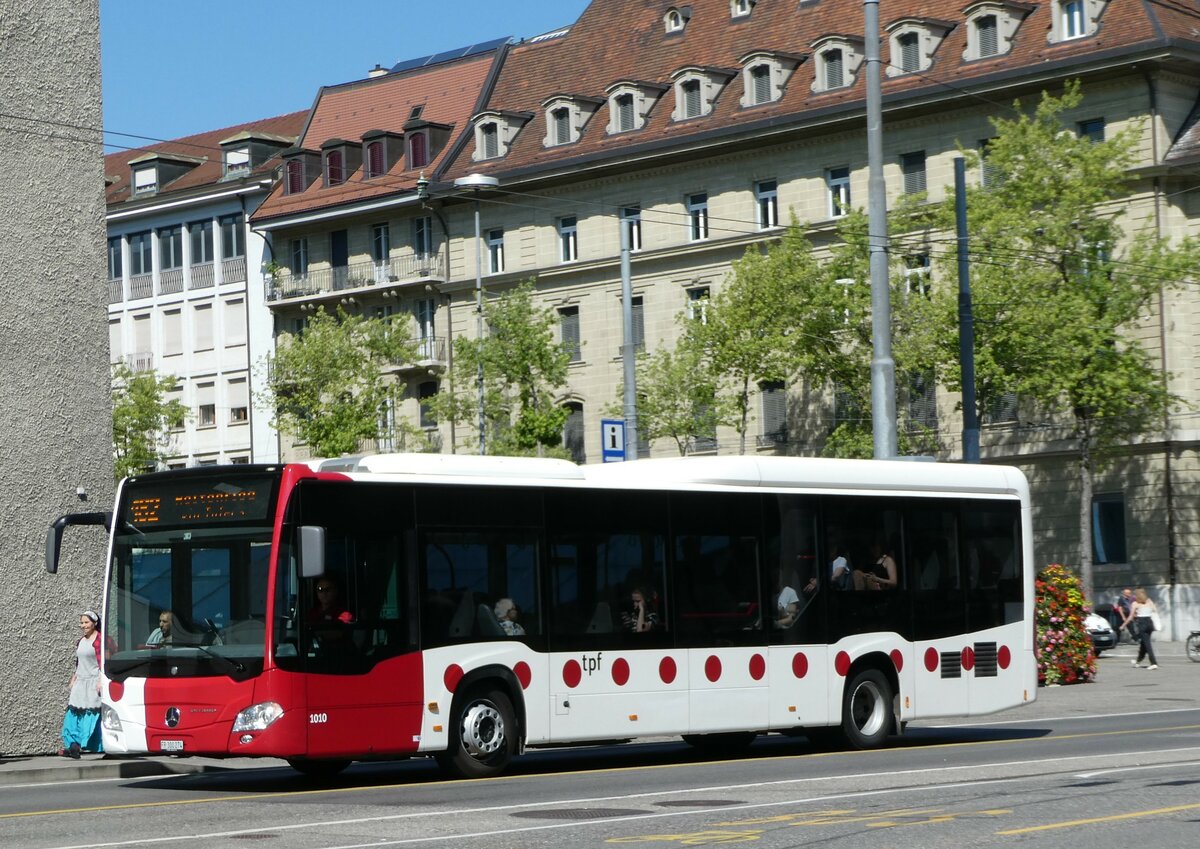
1107 764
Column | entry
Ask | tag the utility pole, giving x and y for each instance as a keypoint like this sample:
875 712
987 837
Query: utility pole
966 319
476 181
628 354
883 367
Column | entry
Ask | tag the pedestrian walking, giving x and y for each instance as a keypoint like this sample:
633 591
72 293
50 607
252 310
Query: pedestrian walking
81 723
1145 617
1123 614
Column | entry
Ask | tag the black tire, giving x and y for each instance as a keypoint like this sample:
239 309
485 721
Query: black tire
314 768
725 743
867 709
825 738
483 738
1193 648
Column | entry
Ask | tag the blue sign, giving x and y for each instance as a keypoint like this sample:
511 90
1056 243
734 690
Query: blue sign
612 440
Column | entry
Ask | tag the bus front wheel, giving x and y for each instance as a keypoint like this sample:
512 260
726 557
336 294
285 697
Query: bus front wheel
483 739
867 709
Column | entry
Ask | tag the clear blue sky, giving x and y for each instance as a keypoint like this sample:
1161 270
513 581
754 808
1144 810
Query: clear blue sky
172 69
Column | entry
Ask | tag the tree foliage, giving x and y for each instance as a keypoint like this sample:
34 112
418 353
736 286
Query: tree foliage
522 364
328 384
142 419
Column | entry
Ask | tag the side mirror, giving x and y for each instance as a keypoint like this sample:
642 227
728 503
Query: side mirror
55 533
312 551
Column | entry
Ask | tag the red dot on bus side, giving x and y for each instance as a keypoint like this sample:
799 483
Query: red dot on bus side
1004 657
572 673
452 676
968 658
116 689
667 670
712 668
897 659
931 659
800 664
758 667
620 671
841 663
523 673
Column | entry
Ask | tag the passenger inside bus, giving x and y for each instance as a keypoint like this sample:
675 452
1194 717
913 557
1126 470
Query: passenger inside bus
787 602
882 573
507 614
641 618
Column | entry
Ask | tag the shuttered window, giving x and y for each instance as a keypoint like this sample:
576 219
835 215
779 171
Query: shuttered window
774 412
491 144
760 77
573 434
568 318
624 113
561 120
910 52
295 177
375 160
335 173
418 151
912 166
691 98
639 324
985 31
833 69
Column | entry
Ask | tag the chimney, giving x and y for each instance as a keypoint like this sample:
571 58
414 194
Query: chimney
377 71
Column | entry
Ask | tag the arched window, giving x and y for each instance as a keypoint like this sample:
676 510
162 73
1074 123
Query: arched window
673 21
376 163
573 433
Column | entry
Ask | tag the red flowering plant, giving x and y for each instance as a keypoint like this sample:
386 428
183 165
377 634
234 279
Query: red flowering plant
1063 648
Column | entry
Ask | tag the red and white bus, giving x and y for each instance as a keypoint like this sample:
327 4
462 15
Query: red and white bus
473 606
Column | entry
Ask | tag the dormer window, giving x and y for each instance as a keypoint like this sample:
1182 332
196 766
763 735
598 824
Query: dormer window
237 161
418 150
145 180
676 18
991 27
764 75
1075 18
740 8
376 160
566 115
696 90
295 177
335 168
838 58
495 131
913 43
629 103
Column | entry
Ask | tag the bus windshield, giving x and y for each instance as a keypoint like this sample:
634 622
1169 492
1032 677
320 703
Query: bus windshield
187 588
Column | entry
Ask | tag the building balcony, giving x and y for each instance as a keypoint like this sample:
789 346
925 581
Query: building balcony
320 283
200 276
141 286
170 281
431 354
116 290
140 361
233 270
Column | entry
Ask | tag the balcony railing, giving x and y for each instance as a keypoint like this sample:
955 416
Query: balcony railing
170 280
201 276
116 291
141 361
233 270
141 286
356 275
430 353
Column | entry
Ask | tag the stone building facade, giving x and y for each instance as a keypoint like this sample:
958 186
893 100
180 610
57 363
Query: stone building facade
55 433
709 123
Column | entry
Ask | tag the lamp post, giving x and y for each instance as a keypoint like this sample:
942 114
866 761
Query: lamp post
476 182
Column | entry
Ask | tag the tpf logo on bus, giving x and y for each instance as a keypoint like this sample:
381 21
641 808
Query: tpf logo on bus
590 664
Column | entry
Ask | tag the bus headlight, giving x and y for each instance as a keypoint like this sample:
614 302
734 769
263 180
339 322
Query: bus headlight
258 717
109 719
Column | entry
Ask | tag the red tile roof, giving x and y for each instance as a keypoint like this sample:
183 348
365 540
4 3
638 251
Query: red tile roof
203 146
450 93
625 39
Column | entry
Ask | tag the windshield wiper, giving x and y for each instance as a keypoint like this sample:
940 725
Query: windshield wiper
237 667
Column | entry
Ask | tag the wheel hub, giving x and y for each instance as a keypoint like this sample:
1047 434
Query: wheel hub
867 708
482 730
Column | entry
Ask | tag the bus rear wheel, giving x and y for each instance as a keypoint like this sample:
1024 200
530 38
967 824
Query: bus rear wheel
483 739
867 709
317 768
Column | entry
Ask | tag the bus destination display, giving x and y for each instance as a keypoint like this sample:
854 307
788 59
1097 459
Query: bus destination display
201 502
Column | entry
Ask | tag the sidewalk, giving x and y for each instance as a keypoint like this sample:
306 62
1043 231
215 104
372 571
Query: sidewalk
1118 688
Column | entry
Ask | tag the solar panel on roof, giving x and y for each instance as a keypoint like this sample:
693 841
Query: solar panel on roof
448 55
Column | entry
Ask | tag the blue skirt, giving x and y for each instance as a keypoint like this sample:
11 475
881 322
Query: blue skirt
83 727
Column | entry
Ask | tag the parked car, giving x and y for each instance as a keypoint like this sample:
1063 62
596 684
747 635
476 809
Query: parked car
1102 633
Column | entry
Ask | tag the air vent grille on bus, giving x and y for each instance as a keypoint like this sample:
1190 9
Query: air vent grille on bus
951 664
985 660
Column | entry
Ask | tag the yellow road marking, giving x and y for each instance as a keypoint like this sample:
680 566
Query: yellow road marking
1093 820
648 767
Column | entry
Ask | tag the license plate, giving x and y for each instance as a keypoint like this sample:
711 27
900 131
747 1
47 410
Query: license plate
170 745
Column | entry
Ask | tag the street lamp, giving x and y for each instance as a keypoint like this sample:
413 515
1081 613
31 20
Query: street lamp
477 182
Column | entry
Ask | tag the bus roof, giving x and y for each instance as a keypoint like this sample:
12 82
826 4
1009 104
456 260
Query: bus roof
810 474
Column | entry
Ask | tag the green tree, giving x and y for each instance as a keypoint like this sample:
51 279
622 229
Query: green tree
327 384
142 418
522 366
749 333
1059 290
677 395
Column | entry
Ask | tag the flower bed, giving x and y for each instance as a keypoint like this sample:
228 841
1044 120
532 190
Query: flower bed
1063 648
